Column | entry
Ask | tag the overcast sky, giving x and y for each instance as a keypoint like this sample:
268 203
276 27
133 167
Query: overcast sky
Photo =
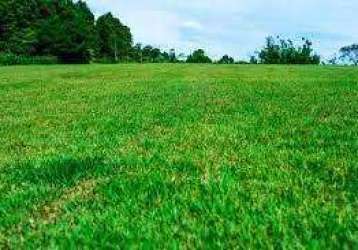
235 27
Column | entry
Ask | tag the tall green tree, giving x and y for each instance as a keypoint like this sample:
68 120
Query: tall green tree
68 32
114 38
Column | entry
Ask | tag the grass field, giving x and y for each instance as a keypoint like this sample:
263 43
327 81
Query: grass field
179 156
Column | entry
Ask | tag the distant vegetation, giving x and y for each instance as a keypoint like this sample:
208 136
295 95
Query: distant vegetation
198 56
350 54
12 59
226 60
67 32
281 51
114 40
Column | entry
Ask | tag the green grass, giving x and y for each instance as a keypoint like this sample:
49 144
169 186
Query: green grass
179 156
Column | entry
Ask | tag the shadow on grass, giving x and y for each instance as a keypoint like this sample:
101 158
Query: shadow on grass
63 171
27 186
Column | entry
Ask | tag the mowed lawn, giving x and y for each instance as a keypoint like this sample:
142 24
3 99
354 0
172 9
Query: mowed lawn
179 156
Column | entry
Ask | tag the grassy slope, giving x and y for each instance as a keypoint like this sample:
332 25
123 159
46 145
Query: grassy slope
169 155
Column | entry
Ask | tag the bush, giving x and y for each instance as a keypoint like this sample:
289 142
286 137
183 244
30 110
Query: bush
11 59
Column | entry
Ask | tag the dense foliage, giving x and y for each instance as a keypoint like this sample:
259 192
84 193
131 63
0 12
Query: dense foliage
61 28
198 56
281 51
114 38
38 27
12 59
226 60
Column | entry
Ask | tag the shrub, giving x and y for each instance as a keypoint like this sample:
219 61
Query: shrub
12 59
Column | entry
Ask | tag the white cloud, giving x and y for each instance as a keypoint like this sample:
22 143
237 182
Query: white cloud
192 25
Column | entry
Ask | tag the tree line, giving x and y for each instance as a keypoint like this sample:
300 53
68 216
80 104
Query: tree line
68 31
61 28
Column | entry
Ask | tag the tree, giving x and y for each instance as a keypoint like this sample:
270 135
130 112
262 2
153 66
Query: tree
164 57
271 53
155 55
41 27
114 38
89 24
172 56
198 56
18 23
68 32
147 53
181 58
253 60
280 51
136 53
350 54
152 54
333 60
226 60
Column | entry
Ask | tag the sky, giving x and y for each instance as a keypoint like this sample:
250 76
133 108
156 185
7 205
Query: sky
235 27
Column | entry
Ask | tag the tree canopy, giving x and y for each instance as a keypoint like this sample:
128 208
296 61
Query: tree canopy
114 38
62 28
39 27
198 56
281 51
226 60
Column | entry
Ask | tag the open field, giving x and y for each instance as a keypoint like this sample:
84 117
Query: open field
179 156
